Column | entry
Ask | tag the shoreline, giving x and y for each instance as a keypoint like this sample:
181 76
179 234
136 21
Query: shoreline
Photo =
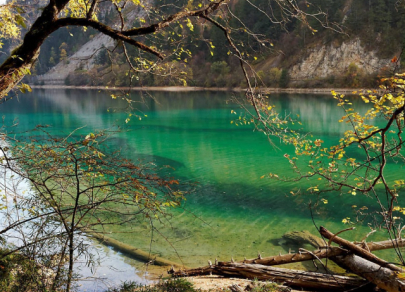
266 90
129 250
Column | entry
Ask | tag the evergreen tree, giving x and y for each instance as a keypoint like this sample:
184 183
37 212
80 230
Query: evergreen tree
284 78
63 55
52 60
102 57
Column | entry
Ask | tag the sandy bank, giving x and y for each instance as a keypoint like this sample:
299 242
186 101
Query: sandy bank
217 283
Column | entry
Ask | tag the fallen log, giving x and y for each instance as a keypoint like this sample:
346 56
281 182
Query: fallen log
324 252
358 250
376 271
382 277
292 278
132 251
297 257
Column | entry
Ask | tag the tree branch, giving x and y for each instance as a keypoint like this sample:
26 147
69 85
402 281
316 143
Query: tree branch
92 8
175 17
105 29
358 250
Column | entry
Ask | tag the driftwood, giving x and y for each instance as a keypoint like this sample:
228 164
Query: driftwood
324 252
358 250
288 277
355 256
132 251
382 277
365 264
297 257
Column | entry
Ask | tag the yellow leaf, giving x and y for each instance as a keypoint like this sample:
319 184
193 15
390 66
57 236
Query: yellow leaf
401 276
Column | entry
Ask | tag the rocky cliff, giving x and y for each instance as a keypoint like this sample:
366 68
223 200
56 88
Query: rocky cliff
319 61
329 60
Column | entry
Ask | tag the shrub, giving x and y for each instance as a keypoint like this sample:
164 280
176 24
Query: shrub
274 77
177 285
171 285
220 68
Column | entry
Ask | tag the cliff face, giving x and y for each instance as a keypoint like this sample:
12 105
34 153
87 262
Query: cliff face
317 62
328 60
83 58
320 62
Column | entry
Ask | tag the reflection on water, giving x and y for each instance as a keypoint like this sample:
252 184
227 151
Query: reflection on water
232 213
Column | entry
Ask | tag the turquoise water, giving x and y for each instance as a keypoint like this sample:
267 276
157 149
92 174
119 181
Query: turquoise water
232 212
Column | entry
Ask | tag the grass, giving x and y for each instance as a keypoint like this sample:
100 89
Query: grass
182 285
267 287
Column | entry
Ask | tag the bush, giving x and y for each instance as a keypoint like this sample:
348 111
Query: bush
220 68
353 76
177 285
274 76
171 285
79 79
220 81
19 273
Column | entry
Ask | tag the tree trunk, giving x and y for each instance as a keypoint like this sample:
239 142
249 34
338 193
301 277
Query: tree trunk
288 277
321 253
360 251
20 62
330 252
384 278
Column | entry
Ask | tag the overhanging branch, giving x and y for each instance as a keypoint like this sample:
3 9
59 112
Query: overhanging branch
125 34
105 29
175 17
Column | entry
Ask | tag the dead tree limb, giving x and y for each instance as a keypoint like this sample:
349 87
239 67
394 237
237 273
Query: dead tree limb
293 278
383 277
321 253
382 273
297 257
328 252
358 250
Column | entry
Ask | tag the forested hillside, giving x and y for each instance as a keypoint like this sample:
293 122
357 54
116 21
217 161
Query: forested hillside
371 33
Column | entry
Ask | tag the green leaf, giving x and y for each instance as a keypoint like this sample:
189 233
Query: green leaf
20 10
20 20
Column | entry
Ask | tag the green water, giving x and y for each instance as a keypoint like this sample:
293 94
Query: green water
232 213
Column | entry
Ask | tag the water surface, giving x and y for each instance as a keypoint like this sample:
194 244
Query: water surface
233 212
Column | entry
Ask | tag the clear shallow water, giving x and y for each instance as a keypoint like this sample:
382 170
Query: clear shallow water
232 213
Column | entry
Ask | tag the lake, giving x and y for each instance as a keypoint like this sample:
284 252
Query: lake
232 212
